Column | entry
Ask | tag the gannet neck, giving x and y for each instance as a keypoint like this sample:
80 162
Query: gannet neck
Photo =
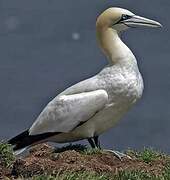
112 46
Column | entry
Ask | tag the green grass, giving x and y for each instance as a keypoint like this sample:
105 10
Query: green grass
90 151
166 173
133 175
74 176
147 155
6 155
124 175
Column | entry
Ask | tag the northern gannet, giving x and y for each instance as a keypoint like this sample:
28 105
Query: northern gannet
91 107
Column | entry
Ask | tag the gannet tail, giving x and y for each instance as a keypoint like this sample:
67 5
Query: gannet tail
22 141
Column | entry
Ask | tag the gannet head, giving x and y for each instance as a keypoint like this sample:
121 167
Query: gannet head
121 19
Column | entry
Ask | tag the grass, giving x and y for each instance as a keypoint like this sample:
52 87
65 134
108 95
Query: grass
124 175
147 155
74 176
90 151
6 155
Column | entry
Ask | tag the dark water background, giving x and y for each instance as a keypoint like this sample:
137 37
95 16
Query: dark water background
47 45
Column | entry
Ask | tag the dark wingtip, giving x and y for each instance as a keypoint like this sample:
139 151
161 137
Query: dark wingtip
18 138
24 139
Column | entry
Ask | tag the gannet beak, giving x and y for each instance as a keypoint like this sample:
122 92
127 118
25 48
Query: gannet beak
137 21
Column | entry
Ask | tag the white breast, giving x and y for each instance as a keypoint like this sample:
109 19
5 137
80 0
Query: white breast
123 84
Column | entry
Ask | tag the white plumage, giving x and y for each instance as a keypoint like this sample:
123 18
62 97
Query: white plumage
89 108
66 112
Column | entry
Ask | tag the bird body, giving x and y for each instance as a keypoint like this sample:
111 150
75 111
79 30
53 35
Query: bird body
91 107
123 88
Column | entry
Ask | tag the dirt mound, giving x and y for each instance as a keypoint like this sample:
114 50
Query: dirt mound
44 160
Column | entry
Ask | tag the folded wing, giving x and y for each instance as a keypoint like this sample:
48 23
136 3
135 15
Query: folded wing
66 112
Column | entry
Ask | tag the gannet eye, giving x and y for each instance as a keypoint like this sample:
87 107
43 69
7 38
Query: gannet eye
125 17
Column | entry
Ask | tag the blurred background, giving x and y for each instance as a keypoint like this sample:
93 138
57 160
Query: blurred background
48 45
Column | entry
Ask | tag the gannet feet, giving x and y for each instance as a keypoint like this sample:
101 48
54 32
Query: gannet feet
95 143
118 154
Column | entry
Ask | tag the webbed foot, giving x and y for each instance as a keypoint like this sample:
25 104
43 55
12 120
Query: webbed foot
118 154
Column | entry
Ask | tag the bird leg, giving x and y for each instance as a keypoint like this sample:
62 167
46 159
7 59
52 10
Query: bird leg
91 142
97 142
94 142
117 154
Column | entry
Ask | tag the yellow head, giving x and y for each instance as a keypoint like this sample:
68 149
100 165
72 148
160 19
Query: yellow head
121 19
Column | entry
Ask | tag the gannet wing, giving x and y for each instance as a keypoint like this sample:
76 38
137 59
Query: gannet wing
66 112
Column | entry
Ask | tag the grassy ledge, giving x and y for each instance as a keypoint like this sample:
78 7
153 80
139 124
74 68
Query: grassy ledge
77 162
148 155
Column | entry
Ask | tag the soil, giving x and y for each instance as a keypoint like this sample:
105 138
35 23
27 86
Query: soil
43 159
